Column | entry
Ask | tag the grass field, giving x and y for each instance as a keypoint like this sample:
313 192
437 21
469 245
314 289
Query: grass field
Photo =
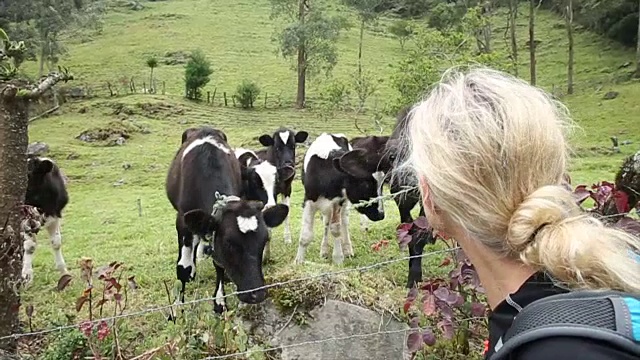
102 219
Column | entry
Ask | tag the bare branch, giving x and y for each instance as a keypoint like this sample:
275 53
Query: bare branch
47 83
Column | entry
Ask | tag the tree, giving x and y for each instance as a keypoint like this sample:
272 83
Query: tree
152 63
15 95
197 71
569 18
366 14
402 30
310 35
513 17
532 42
638 45
41 22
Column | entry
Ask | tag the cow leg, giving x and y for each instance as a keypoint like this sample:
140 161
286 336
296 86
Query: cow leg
219 305
347 247
287 229
405 204
200 249
306 232
52 225
324 246
266 253
336 230
29 245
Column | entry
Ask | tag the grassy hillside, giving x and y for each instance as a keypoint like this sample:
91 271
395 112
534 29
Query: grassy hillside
102 220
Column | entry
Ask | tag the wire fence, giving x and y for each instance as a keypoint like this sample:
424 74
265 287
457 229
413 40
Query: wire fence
161 308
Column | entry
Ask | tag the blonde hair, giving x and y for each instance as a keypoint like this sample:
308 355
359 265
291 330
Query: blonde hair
493 152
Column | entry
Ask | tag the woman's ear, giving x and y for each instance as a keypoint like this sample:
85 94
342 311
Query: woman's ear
426 195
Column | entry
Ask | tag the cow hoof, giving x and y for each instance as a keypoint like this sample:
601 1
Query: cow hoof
324 254
298 261
338 260
219 309
27 277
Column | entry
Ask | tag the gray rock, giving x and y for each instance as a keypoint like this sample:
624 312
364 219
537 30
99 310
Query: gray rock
338 319
611 95
37 148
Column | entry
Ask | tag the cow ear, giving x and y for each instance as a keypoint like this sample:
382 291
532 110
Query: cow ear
301 136
44 166
266 140
355 163
199 222
286 173
244 173
274 216
256 205
186 133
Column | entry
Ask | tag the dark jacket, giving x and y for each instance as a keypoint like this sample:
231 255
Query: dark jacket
536 287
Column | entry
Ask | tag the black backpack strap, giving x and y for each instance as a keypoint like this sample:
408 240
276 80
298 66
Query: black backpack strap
609 316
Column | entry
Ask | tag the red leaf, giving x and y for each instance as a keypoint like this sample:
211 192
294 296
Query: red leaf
102 302
622 201
86 328
414 341
428 337
63 282
29 310
421 222
429 305
113 282
581 193
445 262
445 309
80 302
446 326
117 297
442 293
478 310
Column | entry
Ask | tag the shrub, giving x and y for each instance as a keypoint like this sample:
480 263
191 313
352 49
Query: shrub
247 93
197 71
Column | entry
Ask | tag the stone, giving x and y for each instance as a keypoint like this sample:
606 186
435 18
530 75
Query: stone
611 95
337 319
37 148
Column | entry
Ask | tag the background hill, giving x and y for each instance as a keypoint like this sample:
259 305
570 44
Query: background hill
118 210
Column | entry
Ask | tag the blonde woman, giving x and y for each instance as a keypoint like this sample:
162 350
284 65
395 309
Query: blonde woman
490 154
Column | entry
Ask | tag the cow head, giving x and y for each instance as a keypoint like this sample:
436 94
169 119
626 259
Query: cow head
201 132
37 170
260 178
240 235
283 146
364 181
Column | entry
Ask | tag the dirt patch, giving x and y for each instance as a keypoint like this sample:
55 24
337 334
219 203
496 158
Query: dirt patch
113 134
153 110
175 57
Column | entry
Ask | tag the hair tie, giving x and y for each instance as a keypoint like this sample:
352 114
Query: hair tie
537 230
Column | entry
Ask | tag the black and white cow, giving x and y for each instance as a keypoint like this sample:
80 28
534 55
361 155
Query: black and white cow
395 153
335 175
260 178
46 191
281 152
204 168
377 146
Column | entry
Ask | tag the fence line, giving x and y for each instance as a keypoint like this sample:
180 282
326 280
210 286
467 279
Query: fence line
313 342
196 301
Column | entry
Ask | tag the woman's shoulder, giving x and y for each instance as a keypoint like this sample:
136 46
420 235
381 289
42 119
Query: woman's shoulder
567 347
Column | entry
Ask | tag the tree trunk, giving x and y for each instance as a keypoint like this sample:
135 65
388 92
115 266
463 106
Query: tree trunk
513 15
360 49
570 38
13 185
638 46
487 28
42 58
151 81
532 43
302 62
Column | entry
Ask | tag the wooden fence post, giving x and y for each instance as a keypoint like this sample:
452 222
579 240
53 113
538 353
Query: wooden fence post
208 97
225 98
163 88
213 98
265 99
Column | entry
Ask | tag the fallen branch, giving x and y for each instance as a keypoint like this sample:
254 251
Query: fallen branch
45 113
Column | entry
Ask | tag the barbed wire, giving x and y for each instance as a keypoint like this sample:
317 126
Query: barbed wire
372 201
204 299
329 339
313 342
